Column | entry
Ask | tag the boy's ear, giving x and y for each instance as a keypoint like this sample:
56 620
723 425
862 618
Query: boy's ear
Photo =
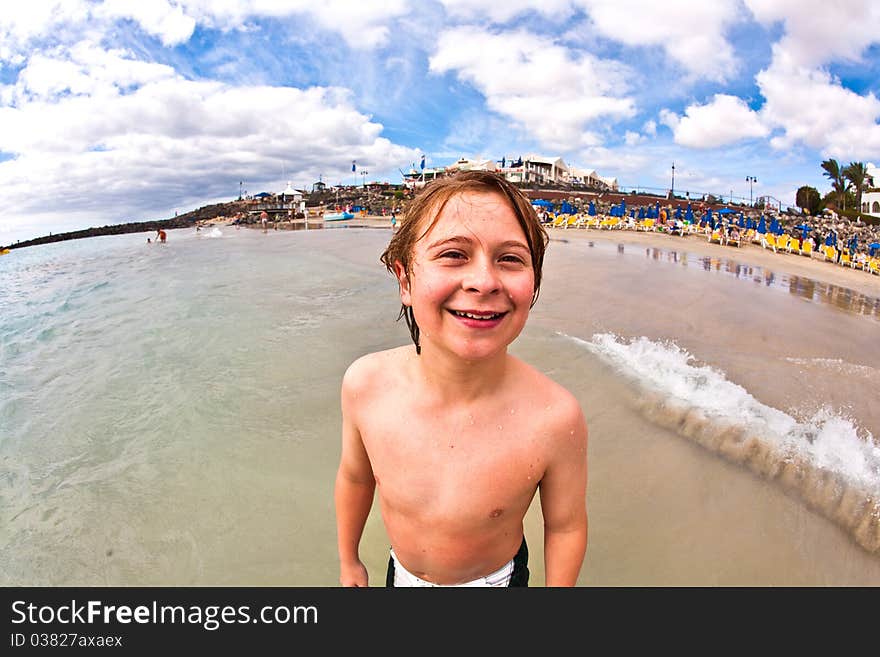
403 282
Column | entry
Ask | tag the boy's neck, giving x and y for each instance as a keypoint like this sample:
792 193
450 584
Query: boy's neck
451 378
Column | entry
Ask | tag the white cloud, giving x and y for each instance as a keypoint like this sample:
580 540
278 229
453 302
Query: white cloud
815 109
725 120
158 18
361 24
502 12
650 127
550 91
803 98
817 32
167 142
691 33
633 138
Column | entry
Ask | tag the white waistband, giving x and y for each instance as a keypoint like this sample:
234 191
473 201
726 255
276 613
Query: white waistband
404 578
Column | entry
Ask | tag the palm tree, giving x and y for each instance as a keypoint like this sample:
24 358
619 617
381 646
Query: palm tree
838 182
857 174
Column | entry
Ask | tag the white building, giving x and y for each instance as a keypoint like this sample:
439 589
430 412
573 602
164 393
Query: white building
528 169
871 197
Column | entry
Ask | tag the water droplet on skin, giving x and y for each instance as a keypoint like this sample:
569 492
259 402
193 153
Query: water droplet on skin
512 411
500 427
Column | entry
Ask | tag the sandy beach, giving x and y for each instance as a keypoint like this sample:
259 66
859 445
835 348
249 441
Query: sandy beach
809 267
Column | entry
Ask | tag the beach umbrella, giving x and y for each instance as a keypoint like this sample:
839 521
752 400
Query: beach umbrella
853 244
804 230
592 209
677 214
642 212
742 220
689 213
873 247
762 225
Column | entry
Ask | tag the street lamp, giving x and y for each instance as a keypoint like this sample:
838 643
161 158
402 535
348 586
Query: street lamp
672 189
240 183
364 173
751 180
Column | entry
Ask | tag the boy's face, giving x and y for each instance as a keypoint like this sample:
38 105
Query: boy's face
471 282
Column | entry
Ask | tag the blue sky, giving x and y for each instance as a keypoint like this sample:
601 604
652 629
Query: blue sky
115 110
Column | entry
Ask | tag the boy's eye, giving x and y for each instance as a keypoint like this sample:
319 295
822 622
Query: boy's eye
512 258
452 254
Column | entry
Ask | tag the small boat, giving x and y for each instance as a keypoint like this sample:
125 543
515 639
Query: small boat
338 216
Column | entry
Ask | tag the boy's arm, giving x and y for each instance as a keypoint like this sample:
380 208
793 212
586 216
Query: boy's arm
563 501
353 495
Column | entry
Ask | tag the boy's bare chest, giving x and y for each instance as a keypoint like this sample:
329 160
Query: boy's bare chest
432 458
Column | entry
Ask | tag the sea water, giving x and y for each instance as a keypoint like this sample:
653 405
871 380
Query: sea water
169 413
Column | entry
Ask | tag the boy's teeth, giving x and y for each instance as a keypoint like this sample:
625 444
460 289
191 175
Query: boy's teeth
473 316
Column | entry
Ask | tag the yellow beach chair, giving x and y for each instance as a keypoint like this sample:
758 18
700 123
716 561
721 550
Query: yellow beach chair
715 236
830 254
844 259
646 224
768 241
593 222
807 248
874 266
781 243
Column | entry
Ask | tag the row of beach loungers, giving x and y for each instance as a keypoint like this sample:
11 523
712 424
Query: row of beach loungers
777 243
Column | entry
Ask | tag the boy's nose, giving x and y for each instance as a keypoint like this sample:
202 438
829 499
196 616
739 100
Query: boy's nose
481 277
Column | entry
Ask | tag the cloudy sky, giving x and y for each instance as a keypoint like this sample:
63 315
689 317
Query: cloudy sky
125 110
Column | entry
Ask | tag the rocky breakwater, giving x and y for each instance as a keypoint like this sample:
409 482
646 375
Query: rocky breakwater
186 220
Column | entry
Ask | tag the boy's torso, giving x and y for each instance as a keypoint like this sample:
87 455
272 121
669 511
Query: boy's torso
454 482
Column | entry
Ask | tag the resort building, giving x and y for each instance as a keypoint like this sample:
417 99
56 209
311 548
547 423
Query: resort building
531 169
466 164
586 178
871 195
541 170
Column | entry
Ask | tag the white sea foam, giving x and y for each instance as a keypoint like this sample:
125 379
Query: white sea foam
826 439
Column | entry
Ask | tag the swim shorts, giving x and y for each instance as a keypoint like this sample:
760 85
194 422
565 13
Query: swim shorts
514 573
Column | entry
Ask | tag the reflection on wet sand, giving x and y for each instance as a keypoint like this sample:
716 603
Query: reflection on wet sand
841 298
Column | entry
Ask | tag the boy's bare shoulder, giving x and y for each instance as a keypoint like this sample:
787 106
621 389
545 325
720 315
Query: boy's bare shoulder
554 403
379 368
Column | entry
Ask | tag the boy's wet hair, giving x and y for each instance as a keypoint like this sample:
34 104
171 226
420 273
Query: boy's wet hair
422 213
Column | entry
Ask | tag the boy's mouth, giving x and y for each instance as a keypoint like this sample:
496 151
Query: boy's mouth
480 316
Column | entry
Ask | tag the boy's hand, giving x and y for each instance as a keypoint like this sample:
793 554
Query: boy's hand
354 575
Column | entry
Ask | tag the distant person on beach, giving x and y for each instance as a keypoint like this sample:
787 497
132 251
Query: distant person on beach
455 434
393 220
160 235
264 217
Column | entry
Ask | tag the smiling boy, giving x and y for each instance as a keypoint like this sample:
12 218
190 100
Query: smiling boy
454 434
